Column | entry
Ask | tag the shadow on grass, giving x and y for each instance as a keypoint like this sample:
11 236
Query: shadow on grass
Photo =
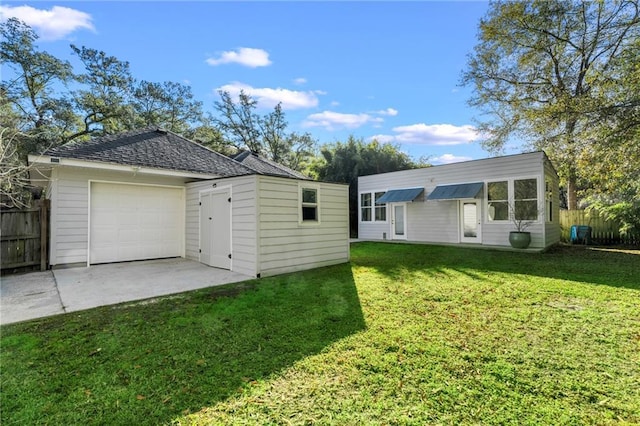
611 267
147 364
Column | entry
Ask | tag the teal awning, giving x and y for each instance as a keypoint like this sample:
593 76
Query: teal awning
456 192
400 195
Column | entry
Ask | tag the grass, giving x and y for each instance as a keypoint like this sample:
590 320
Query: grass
405 334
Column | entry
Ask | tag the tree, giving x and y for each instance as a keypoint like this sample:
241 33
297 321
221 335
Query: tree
290 149
169 105
613 161
14 178
265 135
31 91
542 72
210 136
104 99
344 162
238 122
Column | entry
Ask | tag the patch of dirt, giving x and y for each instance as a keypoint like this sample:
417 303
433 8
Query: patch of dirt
231 290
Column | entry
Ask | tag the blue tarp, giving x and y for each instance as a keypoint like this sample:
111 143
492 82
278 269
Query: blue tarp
456 192
400 195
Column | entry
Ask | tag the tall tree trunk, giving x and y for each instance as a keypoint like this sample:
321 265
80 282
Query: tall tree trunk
572 199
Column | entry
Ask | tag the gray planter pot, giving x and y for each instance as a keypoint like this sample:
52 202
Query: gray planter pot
519 239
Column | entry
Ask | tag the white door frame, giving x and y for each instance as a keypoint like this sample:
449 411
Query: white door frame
205 193
477 239
403 235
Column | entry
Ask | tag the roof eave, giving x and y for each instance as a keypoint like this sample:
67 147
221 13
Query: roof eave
52 161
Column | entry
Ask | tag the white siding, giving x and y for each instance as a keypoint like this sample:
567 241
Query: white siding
438 221
286 245
69 193
244 223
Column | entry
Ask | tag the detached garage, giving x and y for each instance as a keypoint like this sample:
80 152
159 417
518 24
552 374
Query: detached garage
152 194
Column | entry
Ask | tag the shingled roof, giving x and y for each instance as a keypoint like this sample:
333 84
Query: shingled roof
156 148
266 167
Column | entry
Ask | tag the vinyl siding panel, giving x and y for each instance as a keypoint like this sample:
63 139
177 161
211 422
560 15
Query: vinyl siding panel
244 223
69 193
286 245
439 221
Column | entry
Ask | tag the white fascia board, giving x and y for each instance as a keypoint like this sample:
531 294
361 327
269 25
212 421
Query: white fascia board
41 160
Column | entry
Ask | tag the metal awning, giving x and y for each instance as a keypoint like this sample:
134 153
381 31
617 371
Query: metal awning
400 195
456 192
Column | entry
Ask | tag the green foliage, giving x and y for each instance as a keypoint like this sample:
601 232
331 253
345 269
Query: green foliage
31 93
344 162
403 334
544 72
207 134
238 121
168 105
265 135
627 214
103 102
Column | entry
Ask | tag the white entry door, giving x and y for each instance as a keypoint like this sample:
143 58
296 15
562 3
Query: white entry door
399 221
215 228
470 231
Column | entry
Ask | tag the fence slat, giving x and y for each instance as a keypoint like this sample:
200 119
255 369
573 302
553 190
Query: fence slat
24 237
603 232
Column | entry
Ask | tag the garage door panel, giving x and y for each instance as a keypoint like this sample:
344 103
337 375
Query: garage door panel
135 222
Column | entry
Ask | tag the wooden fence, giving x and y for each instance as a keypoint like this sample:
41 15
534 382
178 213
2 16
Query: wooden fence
24 238
603 232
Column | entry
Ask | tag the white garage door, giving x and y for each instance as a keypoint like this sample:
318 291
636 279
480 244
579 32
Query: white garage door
135 222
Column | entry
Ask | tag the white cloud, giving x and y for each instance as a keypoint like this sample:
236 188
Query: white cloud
268 97
53 24
389 111
383 138
246 56
433 134
331 120
449 158
300 81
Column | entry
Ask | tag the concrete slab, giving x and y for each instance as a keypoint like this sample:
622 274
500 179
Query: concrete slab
108 284
41 294
28 296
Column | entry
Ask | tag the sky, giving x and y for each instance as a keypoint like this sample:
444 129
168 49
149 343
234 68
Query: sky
376 70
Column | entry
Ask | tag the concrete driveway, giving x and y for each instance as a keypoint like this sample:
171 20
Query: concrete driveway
41 294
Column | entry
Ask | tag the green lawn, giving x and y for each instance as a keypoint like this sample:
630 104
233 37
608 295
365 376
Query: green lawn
405 334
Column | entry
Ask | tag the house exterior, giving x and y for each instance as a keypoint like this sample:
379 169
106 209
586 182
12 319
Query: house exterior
462 203
152 194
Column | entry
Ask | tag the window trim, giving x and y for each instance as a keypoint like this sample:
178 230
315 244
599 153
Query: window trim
511 197
372 208
549 197
536 199
301 188
487 201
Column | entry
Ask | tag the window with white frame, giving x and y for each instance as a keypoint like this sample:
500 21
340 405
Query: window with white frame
369 210
548 197
519 194
309 205
498 200
525 199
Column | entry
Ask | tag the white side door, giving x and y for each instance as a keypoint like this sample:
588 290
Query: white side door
215 228
470 224
399 221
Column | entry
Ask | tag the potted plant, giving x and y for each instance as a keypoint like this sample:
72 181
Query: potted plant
522 215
